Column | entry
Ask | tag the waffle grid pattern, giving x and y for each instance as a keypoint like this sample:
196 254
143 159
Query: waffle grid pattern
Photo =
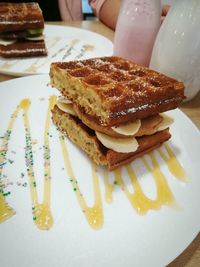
122 82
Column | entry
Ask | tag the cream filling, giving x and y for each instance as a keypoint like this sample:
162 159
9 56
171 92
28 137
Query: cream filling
121 145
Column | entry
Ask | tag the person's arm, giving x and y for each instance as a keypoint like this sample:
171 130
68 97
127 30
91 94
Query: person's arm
106 10
109 11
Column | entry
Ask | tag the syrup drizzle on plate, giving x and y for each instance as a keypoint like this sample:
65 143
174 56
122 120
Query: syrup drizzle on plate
42 215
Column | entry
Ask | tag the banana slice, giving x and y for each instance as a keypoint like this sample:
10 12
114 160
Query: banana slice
7 42
63 99
68 108
122 145
36 38
128 129
167 121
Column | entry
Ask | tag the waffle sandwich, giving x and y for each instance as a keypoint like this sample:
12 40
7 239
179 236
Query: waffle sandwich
21 28
113 108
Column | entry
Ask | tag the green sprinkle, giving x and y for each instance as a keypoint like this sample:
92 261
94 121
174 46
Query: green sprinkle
6 194
115 182
34 184
75 188
33 208
34 218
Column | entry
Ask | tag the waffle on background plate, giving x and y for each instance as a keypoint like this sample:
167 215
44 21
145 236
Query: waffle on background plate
21 30
113 108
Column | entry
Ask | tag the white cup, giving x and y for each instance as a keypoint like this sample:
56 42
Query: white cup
176 51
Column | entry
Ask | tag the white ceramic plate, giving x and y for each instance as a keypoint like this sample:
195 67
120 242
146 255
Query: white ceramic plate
63 44
125 238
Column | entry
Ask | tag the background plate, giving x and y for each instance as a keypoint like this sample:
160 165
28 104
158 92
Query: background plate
126 238
63 44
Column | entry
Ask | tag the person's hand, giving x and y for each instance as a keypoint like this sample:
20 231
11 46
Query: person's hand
165 9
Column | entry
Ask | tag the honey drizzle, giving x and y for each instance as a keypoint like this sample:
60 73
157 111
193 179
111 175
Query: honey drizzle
36 65
54 41
5 210
8 65
41 212
173 164
108 187
164 194
85 48
47 170
94 214
139 201
70 49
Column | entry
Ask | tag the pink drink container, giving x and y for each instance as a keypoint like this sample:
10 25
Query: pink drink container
137 26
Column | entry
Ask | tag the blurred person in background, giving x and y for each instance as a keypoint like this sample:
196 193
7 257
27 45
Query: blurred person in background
71 10
57 10
107 10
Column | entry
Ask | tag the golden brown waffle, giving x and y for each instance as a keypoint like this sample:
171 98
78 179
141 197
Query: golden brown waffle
80 134
19 21
86 139
20 16
114 90
23 48
148 125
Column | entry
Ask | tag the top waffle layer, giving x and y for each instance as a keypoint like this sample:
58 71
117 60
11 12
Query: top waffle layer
20 16
115 90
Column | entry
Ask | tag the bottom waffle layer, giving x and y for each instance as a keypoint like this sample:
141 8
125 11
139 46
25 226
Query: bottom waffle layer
23 49
86 139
